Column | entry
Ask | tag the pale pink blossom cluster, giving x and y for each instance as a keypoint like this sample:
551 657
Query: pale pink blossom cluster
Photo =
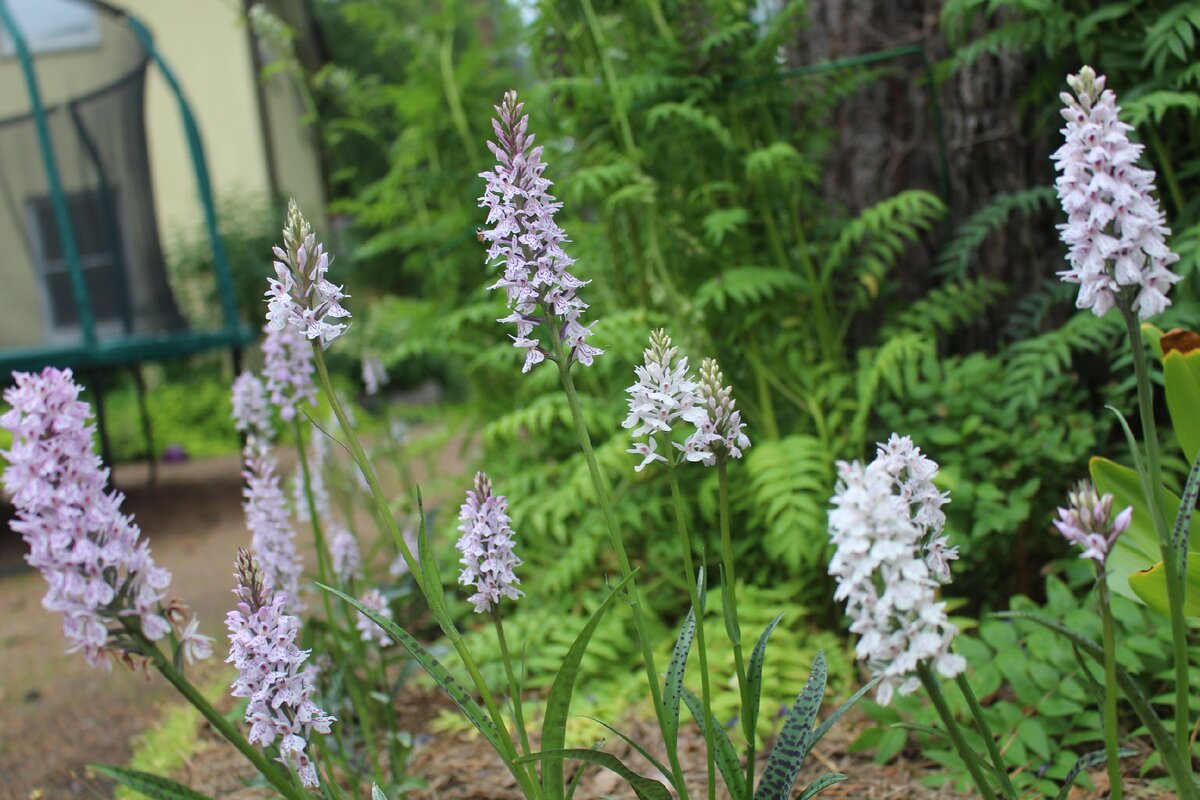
368 631
344 554
525 240
664 393
486 545
98 569
251 408
1088 522
1115 231
271 672
301 295
288 369
272 537
891 557
374 374
730 437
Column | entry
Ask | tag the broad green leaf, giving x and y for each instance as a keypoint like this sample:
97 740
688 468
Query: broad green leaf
732 628
1151 586
1086 762
155 787
822 783
1181 380
674 681
795 740
1137 548
440 674
558 703
754 672
1128 686
726 754
644 788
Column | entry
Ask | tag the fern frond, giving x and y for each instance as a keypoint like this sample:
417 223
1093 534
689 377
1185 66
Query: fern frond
955 257
881 233
1155 105
746 285
694 118
791 480
721 222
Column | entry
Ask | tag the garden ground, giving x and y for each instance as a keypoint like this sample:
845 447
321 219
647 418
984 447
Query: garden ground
57 714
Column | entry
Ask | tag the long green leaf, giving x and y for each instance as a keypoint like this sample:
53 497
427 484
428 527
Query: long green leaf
822 783
795 740
824 727
726 754
644 788
577 778
558 703
1085 762
377 793
440 674
755 670
673 687
1187 504
155 787
1181 385
435 593
643 752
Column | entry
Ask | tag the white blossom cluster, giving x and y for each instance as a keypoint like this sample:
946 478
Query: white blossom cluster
251 408
301 295
664 393
1115 231
730 438
374 374
891 557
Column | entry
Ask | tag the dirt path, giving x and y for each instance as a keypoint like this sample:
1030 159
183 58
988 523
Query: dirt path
57 714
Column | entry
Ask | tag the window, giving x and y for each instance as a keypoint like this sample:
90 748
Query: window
52 26
95 220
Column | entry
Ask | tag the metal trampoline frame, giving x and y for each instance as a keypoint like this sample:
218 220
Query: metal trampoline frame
91 355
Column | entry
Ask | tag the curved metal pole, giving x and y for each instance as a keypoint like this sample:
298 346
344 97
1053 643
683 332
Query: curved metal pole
58 200
204 187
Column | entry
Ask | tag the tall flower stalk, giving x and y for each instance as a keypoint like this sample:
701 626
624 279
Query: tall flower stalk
1116 238
299 309
542 295
1089 523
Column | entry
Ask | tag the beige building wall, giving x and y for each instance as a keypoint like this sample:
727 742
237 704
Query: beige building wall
207 45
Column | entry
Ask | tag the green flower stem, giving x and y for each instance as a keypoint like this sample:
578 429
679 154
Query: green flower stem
323 572
930 682
733 625
614 534
383 512
274 774
685 545
610 78
1111 743
964 686
1151 486
513 688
